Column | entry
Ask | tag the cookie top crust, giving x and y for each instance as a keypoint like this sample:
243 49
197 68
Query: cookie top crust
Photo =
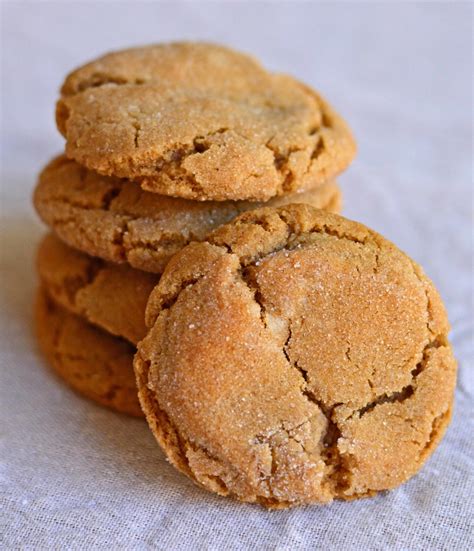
92 362
295 357
202 122
108 295
116 220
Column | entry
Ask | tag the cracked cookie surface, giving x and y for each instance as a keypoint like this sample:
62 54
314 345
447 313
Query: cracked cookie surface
111 296
92 362
116 220
295 357
202 122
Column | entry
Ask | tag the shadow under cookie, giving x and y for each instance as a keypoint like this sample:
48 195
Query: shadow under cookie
92 362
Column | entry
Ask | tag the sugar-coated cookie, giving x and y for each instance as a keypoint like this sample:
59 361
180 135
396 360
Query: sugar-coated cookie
118 221
111 296
92 362
202 122
295 357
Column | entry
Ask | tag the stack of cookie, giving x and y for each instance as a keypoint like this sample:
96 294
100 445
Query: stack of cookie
163 144
283 354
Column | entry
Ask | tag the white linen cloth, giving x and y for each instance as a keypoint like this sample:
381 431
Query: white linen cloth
76 476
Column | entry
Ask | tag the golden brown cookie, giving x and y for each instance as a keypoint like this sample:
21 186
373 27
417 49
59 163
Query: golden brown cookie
108 295
92 362
295 357
116 220
202 122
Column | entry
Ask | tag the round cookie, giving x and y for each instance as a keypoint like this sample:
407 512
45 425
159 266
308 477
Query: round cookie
118 221
111 296
295 357
92 362
202 122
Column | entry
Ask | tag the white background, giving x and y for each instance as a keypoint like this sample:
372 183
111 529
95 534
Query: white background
73 475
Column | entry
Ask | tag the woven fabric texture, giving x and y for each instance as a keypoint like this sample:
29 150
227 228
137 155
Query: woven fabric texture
76 476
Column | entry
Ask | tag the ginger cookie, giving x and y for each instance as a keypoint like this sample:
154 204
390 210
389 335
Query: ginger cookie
202 122
111 296
116 220
92 362
296 357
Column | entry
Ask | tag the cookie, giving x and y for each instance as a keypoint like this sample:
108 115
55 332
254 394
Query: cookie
295 357
89 360
116 220
202 122
111 296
